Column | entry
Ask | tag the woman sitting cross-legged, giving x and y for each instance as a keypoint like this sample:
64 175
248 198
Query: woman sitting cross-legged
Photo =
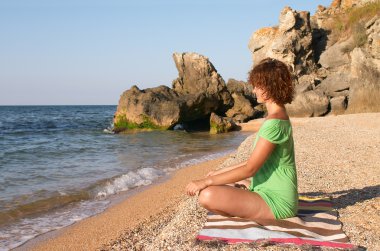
272 192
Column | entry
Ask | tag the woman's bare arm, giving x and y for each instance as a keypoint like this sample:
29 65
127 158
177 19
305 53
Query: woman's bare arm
262 151
225 169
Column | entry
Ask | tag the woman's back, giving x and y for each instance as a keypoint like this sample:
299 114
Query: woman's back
276 181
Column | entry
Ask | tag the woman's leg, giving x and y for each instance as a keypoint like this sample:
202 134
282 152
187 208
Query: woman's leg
245 183
231 201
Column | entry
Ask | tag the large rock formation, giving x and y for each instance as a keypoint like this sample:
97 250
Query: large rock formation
197 92
200 85
335 61
244 102
290 42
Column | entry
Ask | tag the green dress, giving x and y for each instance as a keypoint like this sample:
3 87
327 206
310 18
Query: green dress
276 180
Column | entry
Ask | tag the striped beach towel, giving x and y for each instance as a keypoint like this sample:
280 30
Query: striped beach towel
316 224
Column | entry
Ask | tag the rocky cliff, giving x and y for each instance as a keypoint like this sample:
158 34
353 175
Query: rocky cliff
334 55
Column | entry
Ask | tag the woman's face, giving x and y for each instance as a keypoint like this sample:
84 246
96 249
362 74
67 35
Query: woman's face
260 97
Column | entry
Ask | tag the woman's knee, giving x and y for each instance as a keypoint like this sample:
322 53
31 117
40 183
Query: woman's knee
206 197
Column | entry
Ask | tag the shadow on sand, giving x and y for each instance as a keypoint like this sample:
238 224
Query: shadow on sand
350 197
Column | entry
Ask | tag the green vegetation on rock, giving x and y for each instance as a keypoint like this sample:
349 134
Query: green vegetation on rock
215 128
124 124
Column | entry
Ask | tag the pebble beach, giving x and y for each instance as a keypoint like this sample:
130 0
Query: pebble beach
336 156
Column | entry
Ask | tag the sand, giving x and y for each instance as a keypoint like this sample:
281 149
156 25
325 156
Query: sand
93 232
336 156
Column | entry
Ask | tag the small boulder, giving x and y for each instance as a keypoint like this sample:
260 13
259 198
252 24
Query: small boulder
308 104
242 109
244 101
239 87
220 124
338 105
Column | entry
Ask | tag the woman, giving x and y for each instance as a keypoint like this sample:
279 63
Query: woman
272 192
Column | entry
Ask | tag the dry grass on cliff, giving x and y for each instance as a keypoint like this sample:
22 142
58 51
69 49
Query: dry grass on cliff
352 23
365 92
365 99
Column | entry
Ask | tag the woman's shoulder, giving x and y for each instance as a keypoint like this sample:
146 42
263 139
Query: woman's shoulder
275 121
278 116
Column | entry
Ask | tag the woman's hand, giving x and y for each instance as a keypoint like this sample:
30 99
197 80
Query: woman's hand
195 187
211 173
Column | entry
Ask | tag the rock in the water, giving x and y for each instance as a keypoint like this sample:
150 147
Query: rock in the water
152 108
219 124
197 92
308 104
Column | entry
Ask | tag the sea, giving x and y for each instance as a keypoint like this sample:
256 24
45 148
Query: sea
61 164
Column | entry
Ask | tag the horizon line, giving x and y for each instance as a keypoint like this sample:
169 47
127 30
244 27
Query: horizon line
64 105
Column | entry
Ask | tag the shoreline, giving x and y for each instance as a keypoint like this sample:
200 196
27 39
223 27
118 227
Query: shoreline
42 226
123 215
336 156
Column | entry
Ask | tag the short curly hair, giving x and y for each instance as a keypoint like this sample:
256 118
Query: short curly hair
274 77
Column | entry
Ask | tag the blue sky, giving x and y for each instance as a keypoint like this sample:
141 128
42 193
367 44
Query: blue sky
88 52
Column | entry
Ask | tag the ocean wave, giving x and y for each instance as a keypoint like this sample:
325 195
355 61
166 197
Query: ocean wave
109 129
31 208
25 229
132 179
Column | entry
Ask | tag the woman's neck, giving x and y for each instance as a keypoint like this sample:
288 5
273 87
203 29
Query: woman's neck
276 110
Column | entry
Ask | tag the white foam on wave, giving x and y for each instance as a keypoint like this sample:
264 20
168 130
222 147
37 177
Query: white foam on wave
132 179
109 129
146 176
26 229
